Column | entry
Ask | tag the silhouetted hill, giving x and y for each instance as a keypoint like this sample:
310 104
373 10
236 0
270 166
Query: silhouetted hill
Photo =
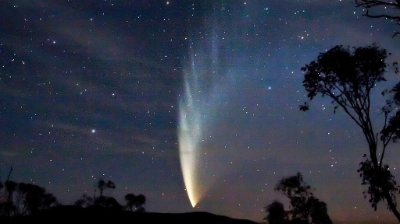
78 215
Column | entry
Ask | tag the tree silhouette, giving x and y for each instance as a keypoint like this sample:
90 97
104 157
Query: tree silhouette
140 201
101 185
24 199
101 201
135 203
35 198
388 9
319 211
276 213
304 206
348 78
10 188
130 201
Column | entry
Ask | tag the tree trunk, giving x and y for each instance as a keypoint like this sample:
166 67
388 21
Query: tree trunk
392 205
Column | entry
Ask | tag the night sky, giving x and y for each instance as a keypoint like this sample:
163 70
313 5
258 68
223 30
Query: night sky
92 89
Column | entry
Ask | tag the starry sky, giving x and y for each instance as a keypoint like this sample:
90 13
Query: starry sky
92 89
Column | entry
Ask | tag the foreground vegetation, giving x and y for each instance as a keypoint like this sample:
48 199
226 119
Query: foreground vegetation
22 199
19 200
304 207
30 203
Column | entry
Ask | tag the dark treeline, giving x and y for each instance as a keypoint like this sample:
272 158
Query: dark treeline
22 199
29 203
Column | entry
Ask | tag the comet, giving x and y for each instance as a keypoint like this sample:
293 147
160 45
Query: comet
207 82
192 125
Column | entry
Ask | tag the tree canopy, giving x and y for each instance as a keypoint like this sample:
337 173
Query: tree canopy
348 76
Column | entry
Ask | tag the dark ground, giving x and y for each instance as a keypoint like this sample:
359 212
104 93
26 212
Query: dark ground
78 215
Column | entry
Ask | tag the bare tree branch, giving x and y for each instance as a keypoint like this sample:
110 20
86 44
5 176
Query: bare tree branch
393 15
